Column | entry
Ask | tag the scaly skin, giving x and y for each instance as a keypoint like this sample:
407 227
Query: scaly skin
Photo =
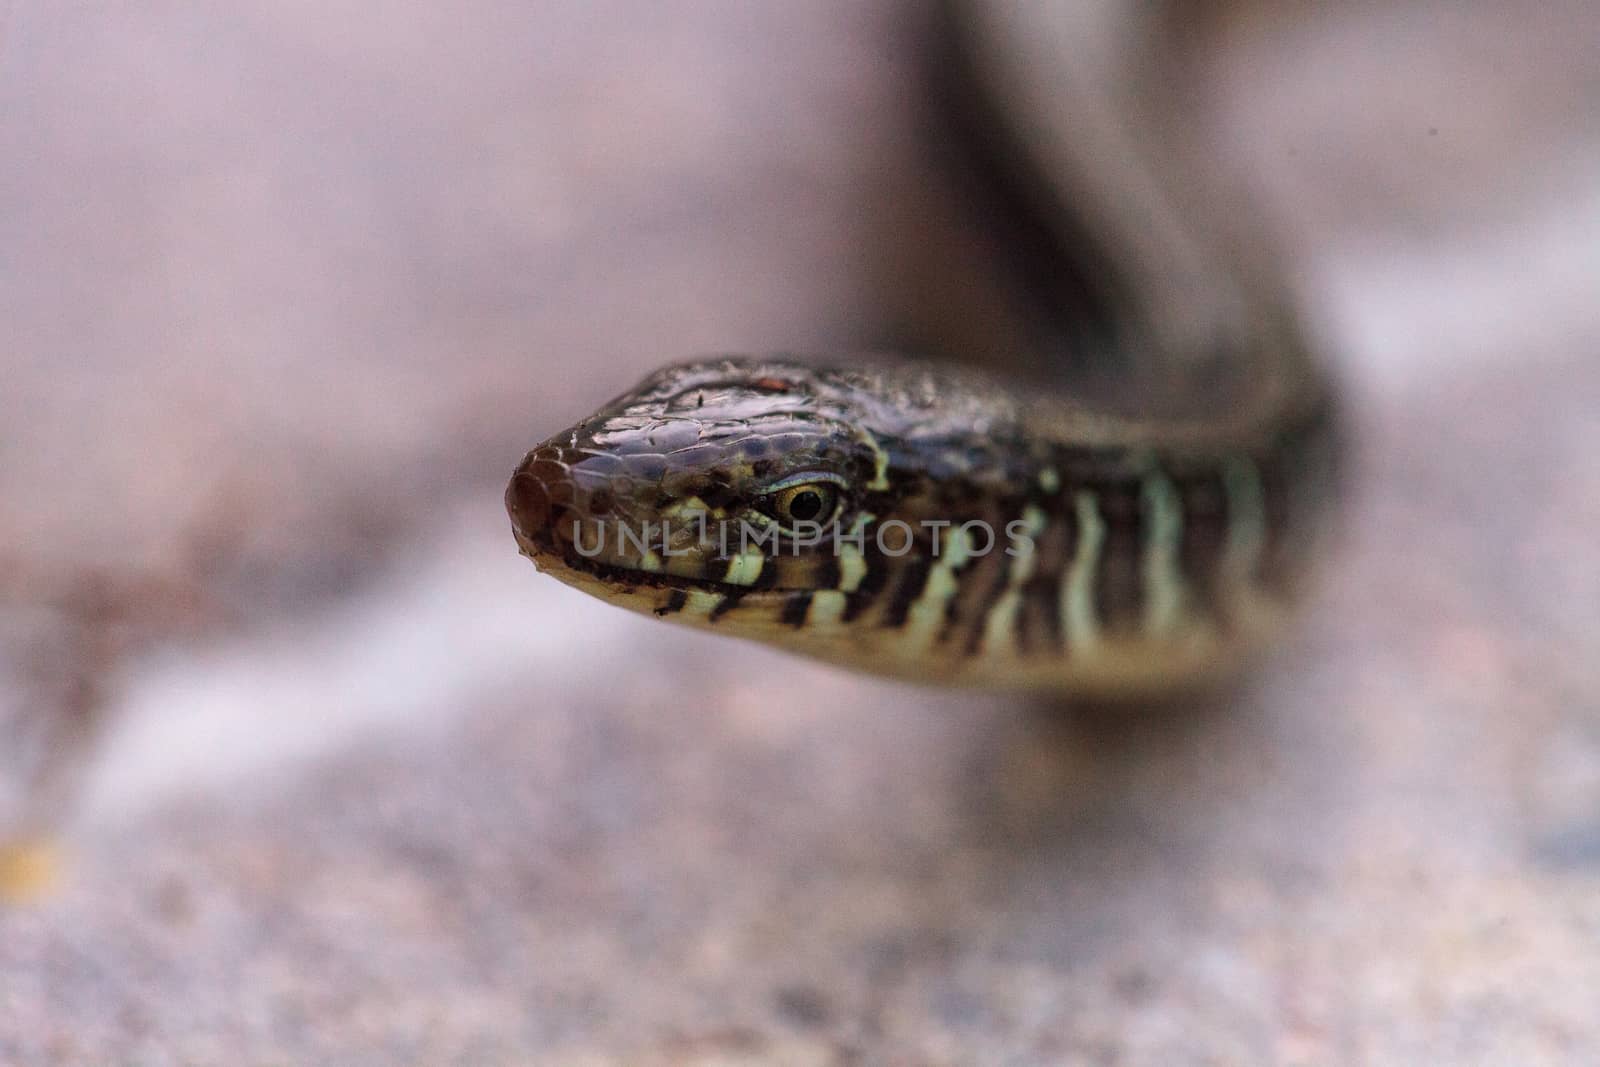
1143 527
1125 557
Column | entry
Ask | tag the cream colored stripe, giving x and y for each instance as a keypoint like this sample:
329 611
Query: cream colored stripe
926 617
1078 621
827 608
701 602
1000 628
852 568
745 568
1163 575
852 564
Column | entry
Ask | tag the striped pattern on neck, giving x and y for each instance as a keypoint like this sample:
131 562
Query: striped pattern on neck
992 549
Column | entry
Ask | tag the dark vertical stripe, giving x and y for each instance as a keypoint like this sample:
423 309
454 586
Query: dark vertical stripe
729 601
912 581
1119 583
768 576
675 602
982 583
1205 539
827 571
795 608
872 583
1039 621
999 580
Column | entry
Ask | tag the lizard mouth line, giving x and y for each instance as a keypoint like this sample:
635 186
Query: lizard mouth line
565 562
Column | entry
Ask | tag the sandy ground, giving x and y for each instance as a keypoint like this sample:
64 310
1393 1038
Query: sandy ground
287 289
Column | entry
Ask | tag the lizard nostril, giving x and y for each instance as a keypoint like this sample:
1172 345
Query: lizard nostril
528 503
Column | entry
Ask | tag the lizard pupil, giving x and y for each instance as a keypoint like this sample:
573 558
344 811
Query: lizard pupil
805 505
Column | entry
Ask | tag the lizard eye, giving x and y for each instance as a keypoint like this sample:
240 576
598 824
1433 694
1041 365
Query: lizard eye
810 499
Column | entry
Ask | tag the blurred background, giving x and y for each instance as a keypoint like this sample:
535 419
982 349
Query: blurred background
287 288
